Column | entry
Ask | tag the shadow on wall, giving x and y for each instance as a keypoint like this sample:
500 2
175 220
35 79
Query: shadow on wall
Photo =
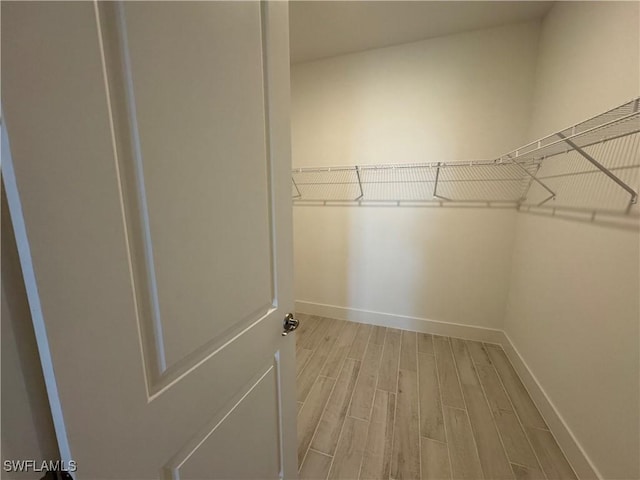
629 223
449 261
584 193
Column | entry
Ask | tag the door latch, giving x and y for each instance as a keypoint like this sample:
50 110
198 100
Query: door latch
289 325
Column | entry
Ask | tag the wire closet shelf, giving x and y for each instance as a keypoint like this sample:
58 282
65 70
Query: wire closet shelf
593 165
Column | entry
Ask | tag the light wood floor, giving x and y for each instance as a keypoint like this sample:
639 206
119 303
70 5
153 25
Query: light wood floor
376 402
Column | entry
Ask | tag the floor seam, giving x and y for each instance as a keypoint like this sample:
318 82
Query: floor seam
464 400
324 409
349 403
520 422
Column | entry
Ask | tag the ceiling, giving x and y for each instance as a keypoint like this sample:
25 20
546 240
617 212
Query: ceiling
322 29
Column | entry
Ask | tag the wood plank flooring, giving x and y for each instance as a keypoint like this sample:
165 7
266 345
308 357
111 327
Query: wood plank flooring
381 403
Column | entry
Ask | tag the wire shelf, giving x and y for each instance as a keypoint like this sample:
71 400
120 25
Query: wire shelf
618 122
593 165
480 181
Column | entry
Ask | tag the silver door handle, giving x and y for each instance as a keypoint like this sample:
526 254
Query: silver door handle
289 325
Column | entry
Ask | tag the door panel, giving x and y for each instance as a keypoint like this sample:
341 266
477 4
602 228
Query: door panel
186 109
199 140
149 169
220 441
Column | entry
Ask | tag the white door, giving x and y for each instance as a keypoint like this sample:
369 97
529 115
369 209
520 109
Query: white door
149 182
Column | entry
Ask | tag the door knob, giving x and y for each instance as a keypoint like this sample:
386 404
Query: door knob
289 325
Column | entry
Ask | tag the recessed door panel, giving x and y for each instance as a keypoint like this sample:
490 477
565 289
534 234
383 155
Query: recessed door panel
247 454
197 125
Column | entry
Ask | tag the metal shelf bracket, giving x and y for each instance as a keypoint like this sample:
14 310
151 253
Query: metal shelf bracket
359 183
602 168
552 194
297 195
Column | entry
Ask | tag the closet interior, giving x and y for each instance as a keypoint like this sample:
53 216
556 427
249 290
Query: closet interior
466 220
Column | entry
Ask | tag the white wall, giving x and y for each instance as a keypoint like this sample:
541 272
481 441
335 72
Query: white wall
573 307
463 96
460 97
442 264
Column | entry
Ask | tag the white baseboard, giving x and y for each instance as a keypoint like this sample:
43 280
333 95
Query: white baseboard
578 458
402 322
580 461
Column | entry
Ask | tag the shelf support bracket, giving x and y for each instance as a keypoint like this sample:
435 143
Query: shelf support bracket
435 185
526 191
299 195
359 183
603 169
552 194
